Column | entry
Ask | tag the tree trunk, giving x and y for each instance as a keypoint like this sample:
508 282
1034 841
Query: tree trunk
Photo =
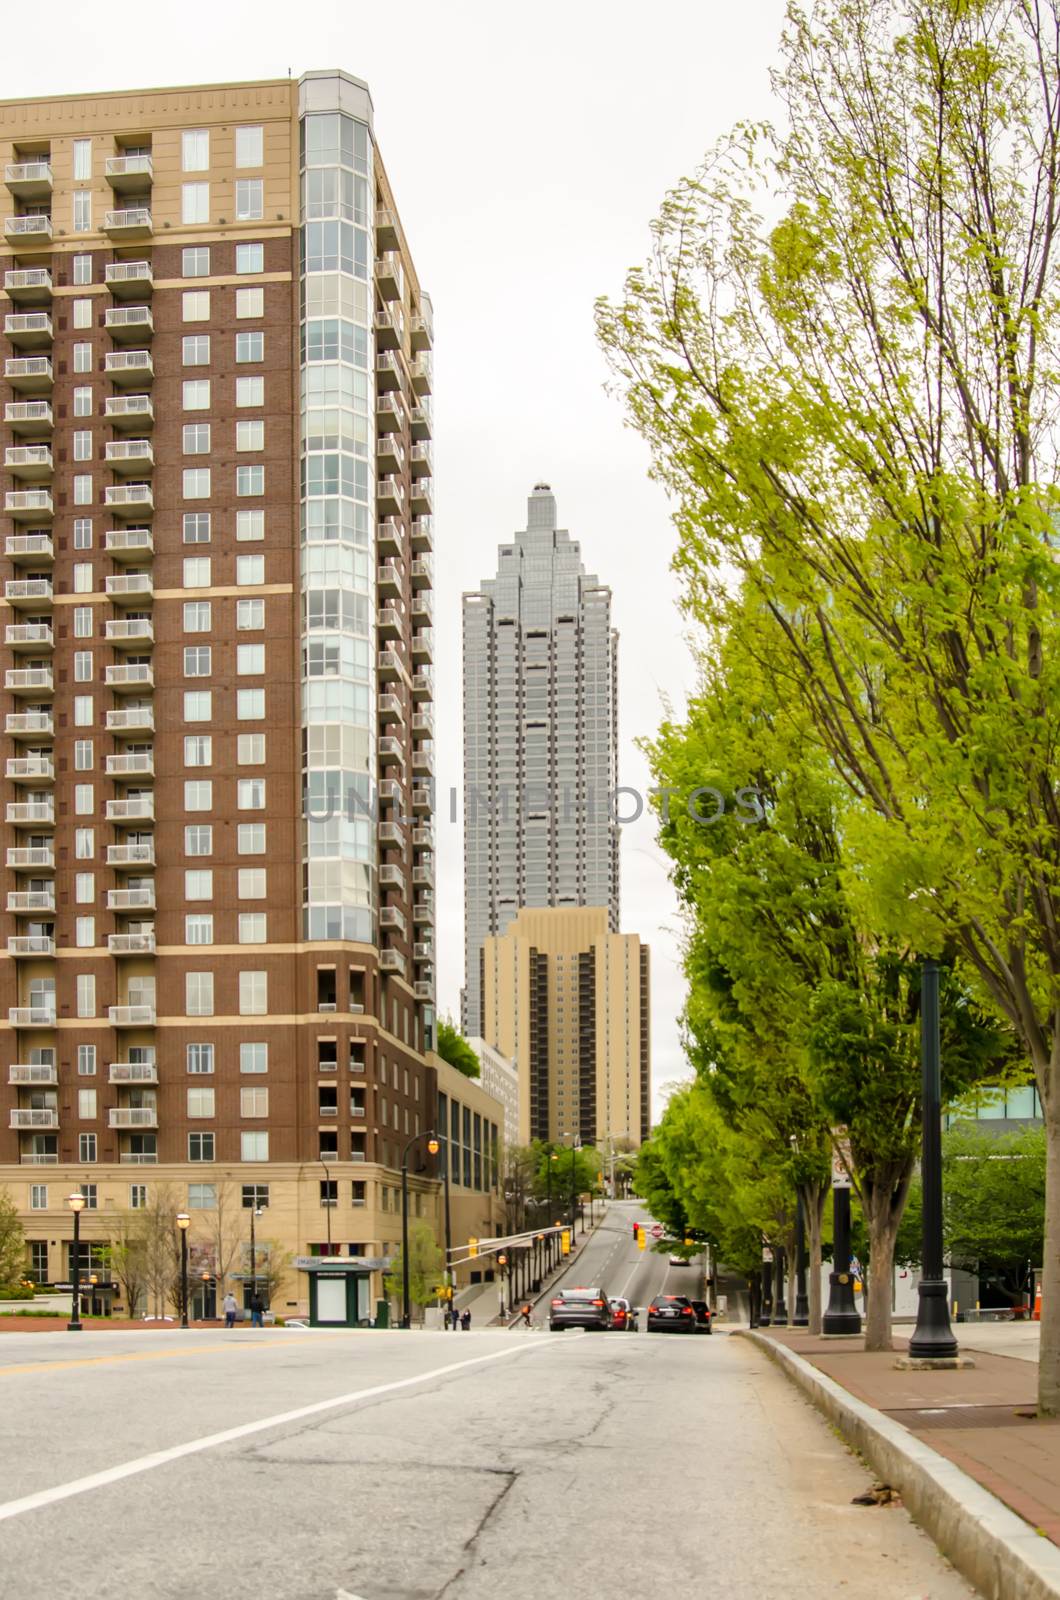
883 1230
813 1200
1049 1355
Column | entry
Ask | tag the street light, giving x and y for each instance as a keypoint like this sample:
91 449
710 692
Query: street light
449 1274
432 1146
327 1199
76 1202
183 1223
933 1338
255 1211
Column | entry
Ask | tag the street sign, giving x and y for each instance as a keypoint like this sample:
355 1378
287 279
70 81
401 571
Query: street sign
840 1160
657 1231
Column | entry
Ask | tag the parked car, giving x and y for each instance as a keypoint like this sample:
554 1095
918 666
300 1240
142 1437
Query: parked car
671 1313
704 1316
678 1261
579 1308
623 1315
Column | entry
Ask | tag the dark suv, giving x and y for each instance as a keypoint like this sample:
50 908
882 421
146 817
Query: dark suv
671 1313
704 1316
579 1308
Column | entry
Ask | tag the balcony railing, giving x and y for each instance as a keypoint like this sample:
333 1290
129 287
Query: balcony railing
133 764
29 680
129 410
30 1072
131 944
141 808
29 328
31 857
29 460
129 173
131 900
131 855
29 724
133 1071
29 505
130 631
31 813
129 454
26 902
29 636
134 222
28 591
123 543
132 1116
129 366
30 769
28 230
420 373
125 279
129 322
38 1118
28 284
31 944
30 549
130 585
128 499
31 1017
138 1158
126 1016
28 178
138 719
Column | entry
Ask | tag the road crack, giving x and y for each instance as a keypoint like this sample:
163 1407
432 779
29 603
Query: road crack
512 1476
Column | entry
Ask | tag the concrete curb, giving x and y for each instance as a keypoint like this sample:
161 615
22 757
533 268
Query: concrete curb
989 1544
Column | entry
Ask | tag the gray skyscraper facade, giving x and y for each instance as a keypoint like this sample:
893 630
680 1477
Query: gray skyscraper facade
540 739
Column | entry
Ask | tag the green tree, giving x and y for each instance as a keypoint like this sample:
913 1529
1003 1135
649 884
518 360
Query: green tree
853 406
454 1048
12 1243
426 1265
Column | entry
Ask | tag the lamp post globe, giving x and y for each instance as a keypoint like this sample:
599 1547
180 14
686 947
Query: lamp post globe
76 1202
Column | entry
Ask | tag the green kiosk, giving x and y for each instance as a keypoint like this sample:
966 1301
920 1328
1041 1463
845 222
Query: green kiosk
340 1289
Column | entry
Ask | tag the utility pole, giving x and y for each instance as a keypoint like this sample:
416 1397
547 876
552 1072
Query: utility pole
933 1338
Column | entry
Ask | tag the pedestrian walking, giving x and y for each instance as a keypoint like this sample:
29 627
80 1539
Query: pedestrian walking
257 1311
455 1317
465 1320
230 1309
525 1314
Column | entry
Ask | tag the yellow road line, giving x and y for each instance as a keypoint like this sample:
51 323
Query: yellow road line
153 1355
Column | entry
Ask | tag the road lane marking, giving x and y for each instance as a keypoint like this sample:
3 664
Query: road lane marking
154 1355
211 1441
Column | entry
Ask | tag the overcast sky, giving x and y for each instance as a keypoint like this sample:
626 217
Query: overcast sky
528 147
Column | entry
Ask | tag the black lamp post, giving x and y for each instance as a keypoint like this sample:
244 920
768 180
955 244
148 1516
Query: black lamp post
765 1314
801 1319
432 1146
76 1202
933 1337
448 1225
327 1199
780 1305
255 1211
842 1314
183 1224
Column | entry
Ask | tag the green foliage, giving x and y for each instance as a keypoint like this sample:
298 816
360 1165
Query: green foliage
454 1048
12 1243
426 1265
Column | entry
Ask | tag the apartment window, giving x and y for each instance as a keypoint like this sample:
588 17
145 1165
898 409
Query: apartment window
81 313
86 985
200 1146
250 147
82 160
196 527
83 532
83 577
83 401
197 659
83 488
196 438
250 882
198 994
82 270
86 1060
84 799
250 199
90 1192
82 210
254 1146
196 391
84 889
198 929
199 1059
250 705
249 302
137 1196
250 839
202 1197
38 1197
196 305
195 202
195 261
253 1102
197 616
198 839
82 451
198 705
253 1058
82 666
83 356
255 1195
250 570
249 480
198 884
250 615
250 794
250 392
198 750
196 483
83 755
250 749
198 795
84 844
249 435
86 1105
200 1103
250 258
195 150
250 525
86 1151
197 572
84 932
253 994
250 347
252 927
195 349
83 713
82 622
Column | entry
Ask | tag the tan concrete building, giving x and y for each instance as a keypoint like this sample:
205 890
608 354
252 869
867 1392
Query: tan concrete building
569 1002
500 1079
471 1126
216 960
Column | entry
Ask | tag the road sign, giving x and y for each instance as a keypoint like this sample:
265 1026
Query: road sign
657 1231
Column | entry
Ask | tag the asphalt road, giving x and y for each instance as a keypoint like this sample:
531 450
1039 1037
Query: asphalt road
611 1260
287 1465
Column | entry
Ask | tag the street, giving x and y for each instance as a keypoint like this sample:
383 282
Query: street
321 1466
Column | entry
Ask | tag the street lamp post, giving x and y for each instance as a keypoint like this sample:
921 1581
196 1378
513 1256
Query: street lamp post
327 1199
183 1224
448 1225
933 1338
432 1146
765 1315
76 1202
842 1314
255 1211
780 1306
801 1319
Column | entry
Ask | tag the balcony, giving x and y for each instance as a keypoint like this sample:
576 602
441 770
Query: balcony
420 374
129 455
388 708
31 944
392 917
423 910
389 496
29 725
392 961
130 588
126 324
133 1071
29 505
386 229
387 580
387 372
129 813
138 719
25 232
28 286
30 769
28 902
129 499
422 536
128 368
131 633
29 636
30 549
131 679
129 280
29 374
32 1072
131 855
389 537
422 686
127 411
132 1116
131 944
30 593
422 573
32 1017
389 666
138 1158
387 331
29 680
31 858
131 764
30 462
423 645
422 801
421 424
142 899
389 413
423 837
29 416
423 954
391 878
422 725
422 497
422 877
421 330
423 991
129 174
420 461
391 836
389 275
423 759
388 623
31 813
129 544
389 794
422 611
29 330
44 1118
389 453
391 752
131 223
131 1016
30 180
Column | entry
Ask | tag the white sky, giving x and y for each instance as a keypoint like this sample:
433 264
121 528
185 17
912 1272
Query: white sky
528 148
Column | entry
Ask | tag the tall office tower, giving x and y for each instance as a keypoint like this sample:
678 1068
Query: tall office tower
540 740
217 958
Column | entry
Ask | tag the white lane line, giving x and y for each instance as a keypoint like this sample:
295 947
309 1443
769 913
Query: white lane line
210 1441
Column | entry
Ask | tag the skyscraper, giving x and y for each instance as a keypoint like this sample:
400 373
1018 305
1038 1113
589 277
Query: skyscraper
218 949
540 740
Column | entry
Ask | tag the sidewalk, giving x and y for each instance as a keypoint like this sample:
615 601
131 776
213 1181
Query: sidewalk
980 1418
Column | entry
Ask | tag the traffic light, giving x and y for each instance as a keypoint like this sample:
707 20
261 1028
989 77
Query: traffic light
642 1241
502 1260
636 1230
472 1247
564 1241
688 1241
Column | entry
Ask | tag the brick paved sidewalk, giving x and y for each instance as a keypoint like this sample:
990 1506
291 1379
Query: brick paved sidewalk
971 1416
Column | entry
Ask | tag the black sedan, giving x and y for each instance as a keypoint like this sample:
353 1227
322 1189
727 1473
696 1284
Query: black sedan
671 1313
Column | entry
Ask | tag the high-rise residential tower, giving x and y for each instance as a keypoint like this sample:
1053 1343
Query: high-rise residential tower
217 950
540 739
